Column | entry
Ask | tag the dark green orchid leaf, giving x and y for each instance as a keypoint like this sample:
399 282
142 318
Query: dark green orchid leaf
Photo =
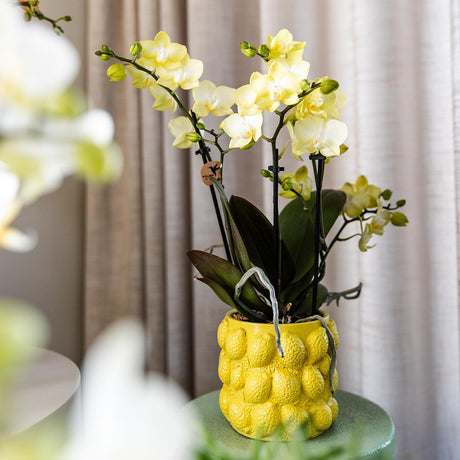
220 291
239 248
225 296
295 292
297 227
239 253
226 275
306 306
257 234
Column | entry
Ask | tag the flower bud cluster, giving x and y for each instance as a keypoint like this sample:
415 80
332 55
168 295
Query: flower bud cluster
363 200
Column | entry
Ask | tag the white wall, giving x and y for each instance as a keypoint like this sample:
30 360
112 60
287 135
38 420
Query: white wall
50 277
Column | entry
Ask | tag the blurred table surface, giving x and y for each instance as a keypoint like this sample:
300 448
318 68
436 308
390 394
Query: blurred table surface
360 422
47 384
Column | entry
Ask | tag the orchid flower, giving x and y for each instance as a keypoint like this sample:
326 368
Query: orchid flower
126 414
180 127
10 206
360 195
45 133
314 135
211 99
243 131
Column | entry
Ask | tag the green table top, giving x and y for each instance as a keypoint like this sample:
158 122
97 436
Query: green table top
358 418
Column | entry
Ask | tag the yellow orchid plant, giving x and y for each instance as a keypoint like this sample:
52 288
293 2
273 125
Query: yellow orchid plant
291 250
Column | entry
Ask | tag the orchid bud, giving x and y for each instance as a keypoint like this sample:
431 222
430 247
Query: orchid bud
386 194
117 72
266 173
135 49
105 57
399 219
249 52
244 45
263 50
200 125
400 203
343 149
106 49
328 86
304 85
193 137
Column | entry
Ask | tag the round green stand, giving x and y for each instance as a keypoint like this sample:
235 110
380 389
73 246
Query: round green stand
359 420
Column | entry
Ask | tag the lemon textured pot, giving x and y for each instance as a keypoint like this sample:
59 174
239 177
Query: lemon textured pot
263 393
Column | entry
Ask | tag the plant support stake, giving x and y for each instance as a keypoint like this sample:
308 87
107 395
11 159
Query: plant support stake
319 173
275 169
204 152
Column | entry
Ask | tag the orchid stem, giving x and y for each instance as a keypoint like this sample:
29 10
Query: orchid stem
319 236
276 226
204 152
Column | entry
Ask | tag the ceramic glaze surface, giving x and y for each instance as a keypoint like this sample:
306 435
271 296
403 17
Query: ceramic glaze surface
262 392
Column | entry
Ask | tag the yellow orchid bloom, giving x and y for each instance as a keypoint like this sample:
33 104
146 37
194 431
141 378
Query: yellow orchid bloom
365 238
160 52
140 79
243 130
320 105
211 99
282 44
245 99
267 91
163 100
186 76
179 127
267 95
293 63
315 135
260 94
380 220
299 181
360 196
375 227
286 84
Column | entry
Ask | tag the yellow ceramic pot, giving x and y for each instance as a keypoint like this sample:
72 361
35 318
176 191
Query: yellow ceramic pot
264 394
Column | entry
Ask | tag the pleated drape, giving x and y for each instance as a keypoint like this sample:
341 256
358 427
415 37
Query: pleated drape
399 64
138 230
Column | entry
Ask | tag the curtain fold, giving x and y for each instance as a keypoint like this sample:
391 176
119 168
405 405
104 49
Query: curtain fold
399 64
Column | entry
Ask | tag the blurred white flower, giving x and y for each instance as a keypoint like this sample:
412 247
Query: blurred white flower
126 414
81 145
10 206
46 133
35 61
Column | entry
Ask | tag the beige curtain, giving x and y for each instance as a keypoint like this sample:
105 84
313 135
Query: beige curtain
399 63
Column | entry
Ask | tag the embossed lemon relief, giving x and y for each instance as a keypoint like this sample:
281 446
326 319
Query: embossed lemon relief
263 392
